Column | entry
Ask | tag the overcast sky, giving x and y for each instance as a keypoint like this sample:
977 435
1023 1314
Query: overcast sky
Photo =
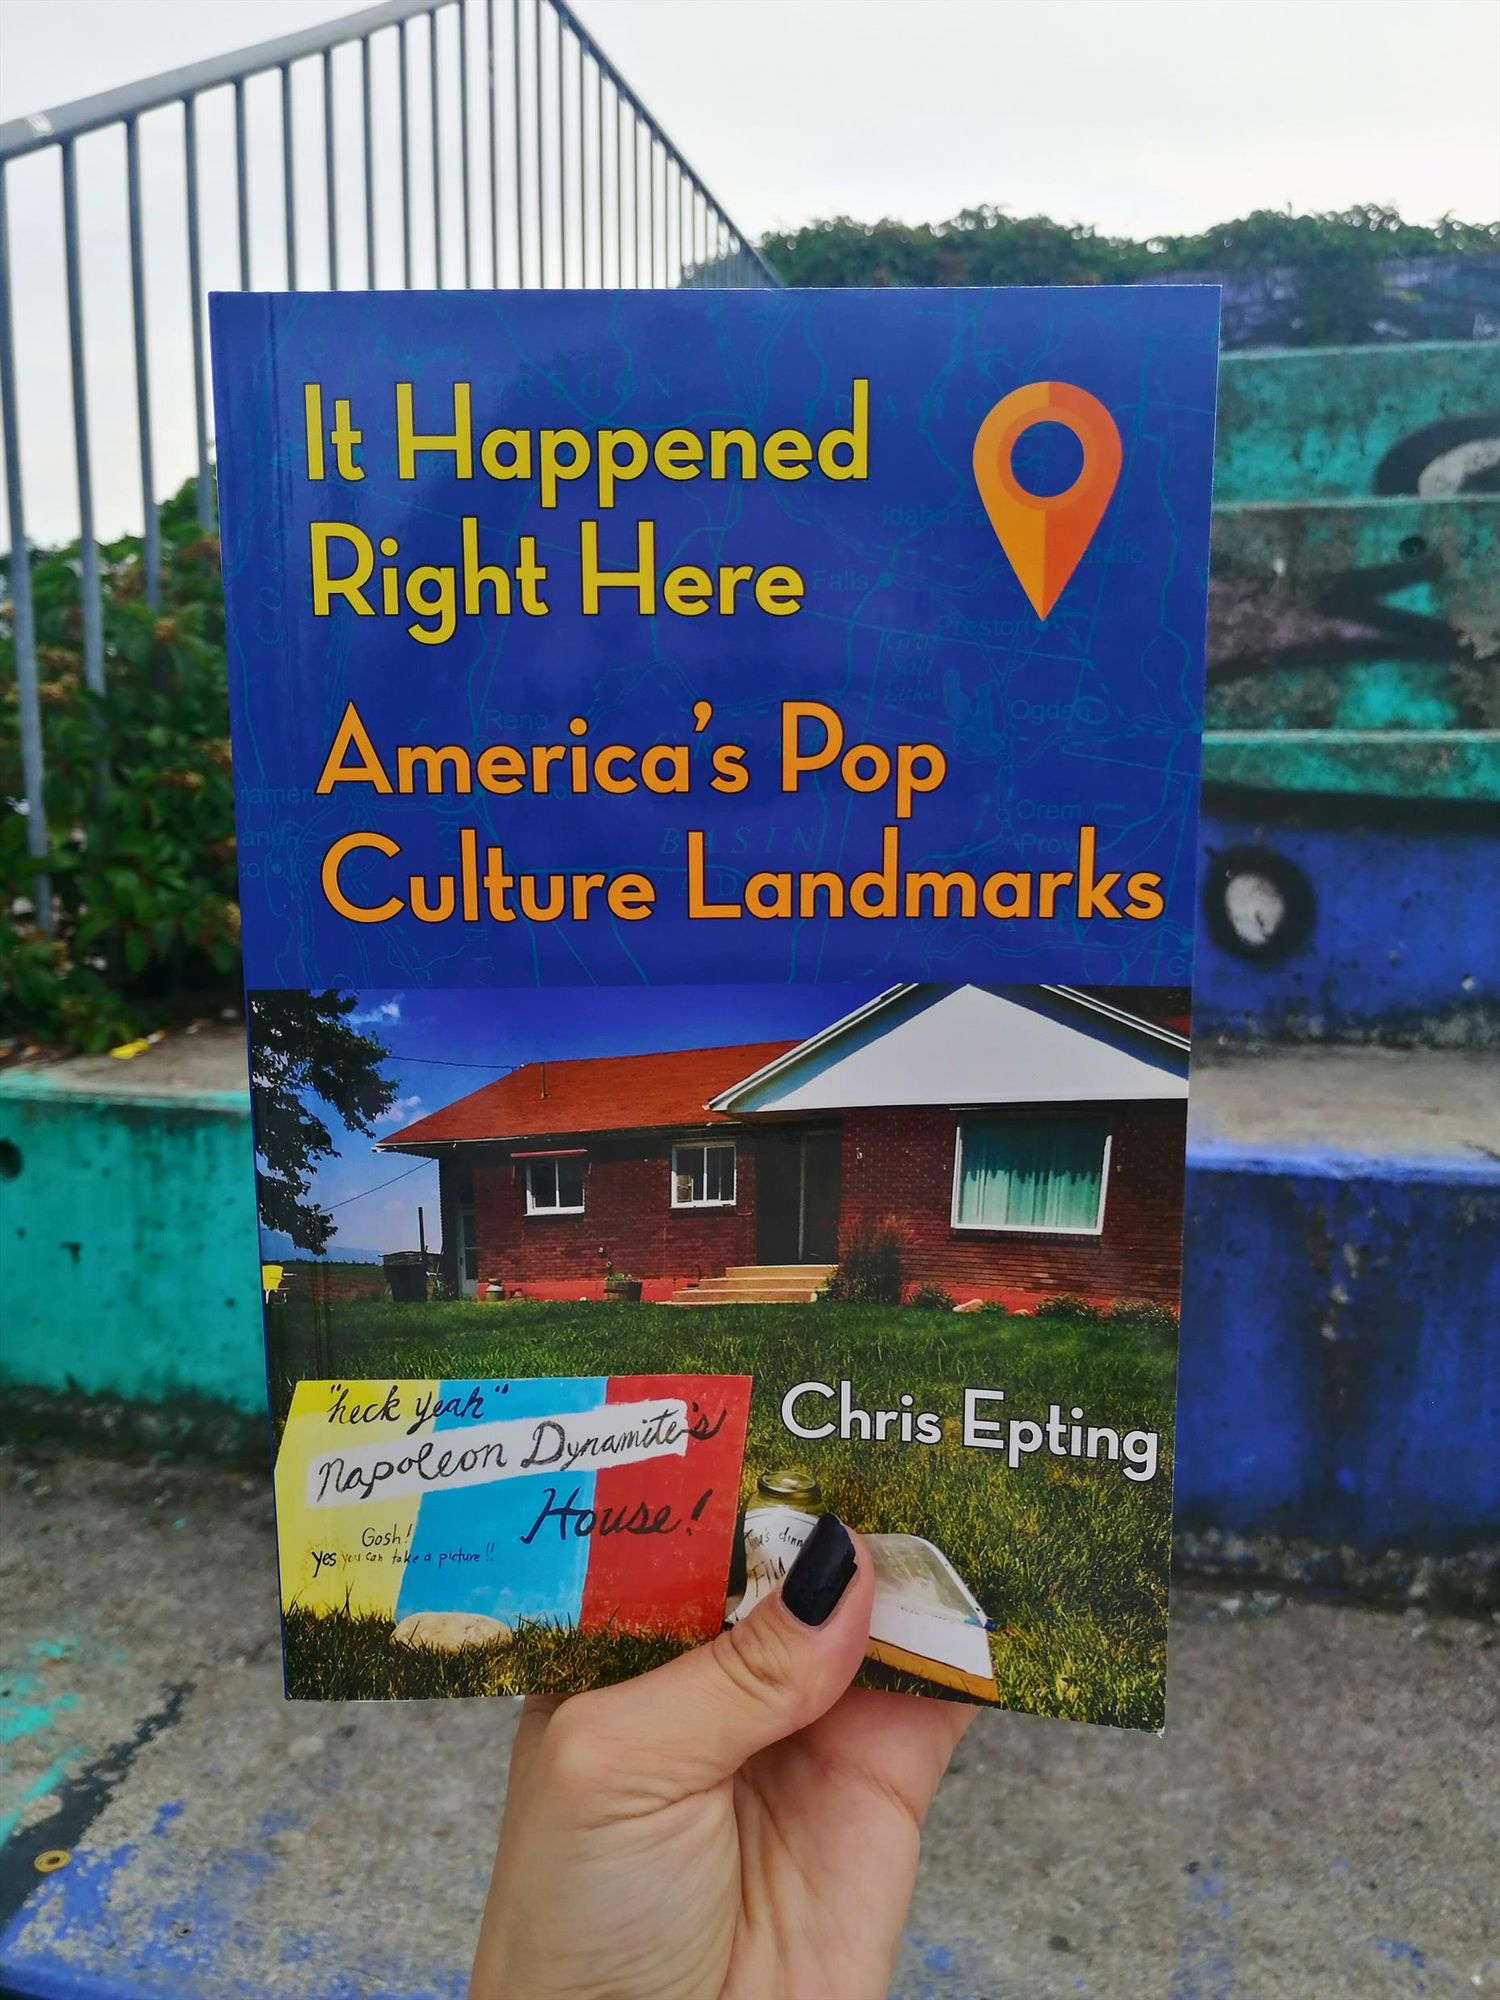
1140 116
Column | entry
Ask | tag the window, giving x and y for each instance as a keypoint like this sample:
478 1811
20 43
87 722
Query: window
555 1186
1032 1173
703 1175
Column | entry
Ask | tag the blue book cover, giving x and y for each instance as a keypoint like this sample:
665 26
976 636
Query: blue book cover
717 780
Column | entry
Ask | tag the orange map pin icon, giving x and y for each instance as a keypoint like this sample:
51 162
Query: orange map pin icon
1045 535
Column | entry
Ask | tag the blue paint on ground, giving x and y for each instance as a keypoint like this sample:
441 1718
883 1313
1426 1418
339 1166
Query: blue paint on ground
1206 1956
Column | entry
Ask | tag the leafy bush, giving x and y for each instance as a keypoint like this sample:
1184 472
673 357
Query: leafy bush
869 1267
1338 257
1065 1306
931 1298
140 808
1145 1316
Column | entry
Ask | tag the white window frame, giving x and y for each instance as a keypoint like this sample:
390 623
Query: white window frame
1024 1228
533 1207
707 1146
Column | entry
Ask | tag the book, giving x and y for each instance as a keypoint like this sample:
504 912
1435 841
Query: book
926 1619
716 782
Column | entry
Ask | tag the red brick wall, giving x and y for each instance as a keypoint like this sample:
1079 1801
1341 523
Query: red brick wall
627 1210
901 1163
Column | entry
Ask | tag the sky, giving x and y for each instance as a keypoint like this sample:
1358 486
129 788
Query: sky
444 1044
1139 116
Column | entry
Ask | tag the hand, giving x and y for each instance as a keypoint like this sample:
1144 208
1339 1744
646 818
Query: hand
738 1825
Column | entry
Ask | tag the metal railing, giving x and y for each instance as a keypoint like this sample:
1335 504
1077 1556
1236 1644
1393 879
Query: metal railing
527 161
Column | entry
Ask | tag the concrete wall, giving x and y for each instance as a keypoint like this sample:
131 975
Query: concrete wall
1354 691
1340 1376
128 1262
1340 1371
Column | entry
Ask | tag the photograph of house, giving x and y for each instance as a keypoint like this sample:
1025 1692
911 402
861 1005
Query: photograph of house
1028 1140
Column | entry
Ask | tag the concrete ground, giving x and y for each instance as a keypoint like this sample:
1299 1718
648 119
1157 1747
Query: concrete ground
1320 1822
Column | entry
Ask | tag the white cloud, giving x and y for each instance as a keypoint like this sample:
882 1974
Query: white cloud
400 1112
383 1010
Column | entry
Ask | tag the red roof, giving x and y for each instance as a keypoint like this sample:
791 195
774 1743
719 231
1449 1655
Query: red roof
595 1094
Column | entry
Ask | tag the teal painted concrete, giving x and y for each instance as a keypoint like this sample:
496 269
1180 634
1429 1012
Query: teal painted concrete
128 1263
1356 549
1318 423
1386 764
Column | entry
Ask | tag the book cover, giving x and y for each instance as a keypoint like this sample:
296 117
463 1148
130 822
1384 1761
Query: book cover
716 778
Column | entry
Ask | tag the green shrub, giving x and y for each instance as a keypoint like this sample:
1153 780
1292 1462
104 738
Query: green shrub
1145 1316
931 1298
869 1267
1338 260
1065 1306
140 806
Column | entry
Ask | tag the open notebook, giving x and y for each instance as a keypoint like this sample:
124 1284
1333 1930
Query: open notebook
926 1619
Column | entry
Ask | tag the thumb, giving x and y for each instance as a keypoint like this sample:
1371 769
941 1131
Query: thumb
693 1722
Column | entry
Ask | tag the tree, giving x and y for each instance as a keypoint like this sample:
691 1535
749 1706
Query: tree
301 1046
1338 264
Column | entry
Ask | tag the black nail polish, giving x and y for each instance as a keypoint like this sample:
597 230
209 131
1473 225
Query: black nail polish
820 1575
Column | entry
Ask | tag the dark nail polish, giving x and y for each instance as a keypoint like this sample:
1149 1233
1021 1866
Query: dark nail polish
820 1575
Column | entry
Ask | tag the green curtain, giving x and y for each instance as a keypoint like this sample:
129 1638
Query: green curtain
1032 1173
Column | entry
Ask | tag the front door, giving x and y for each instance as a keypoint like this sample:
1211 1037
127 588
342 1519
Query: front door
822 1155
468 1253
797 1196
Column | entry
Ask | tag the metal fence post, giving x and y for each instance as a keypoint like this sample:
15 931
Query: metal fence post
23 626
88 548
151 534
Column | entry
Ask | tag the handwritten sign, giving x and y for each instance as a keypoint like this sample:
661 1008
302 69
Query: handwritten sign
601 1500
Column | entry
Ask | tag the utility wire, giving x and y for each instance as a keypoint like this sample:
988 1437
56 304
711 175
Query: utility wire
380 1184
447 1062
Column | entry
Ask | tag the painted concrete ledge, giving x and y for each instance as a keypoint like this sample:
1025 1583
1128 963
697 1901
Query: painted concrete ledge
1340 1377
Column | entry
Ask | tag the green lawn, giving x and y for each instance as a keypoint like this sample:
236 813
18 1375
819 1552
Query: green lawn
1069 1558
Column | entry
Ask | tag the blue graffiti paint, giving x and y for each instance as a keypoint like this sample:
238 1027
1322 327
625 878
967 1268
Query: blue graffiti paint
1403 935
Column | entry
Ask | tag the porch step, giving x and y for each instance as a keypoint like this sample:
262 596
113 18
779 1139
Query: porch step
757 1285
813 1273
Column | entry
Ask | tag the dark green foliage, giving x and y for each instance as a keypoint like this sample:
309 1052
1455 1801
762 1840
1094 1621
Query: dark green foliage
301 1045
1067 1557
931 1298
869 1267
1065 1306
1337 256
139 802
1146 1316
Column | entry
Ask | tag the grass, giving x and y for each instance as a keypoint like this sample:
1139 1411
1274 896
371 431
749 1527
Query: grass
1069 1558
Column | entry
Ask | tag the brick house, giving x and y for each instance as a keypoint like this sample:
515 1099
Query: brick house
1029 1139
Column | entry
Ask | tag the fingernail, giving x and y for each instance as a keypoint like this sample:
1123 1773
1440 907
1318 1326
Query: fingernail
820 1575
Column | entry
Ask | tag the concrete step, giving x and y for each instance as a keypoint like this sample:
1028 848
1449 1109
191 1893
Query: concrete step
813 1273
743 1295
809 1281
